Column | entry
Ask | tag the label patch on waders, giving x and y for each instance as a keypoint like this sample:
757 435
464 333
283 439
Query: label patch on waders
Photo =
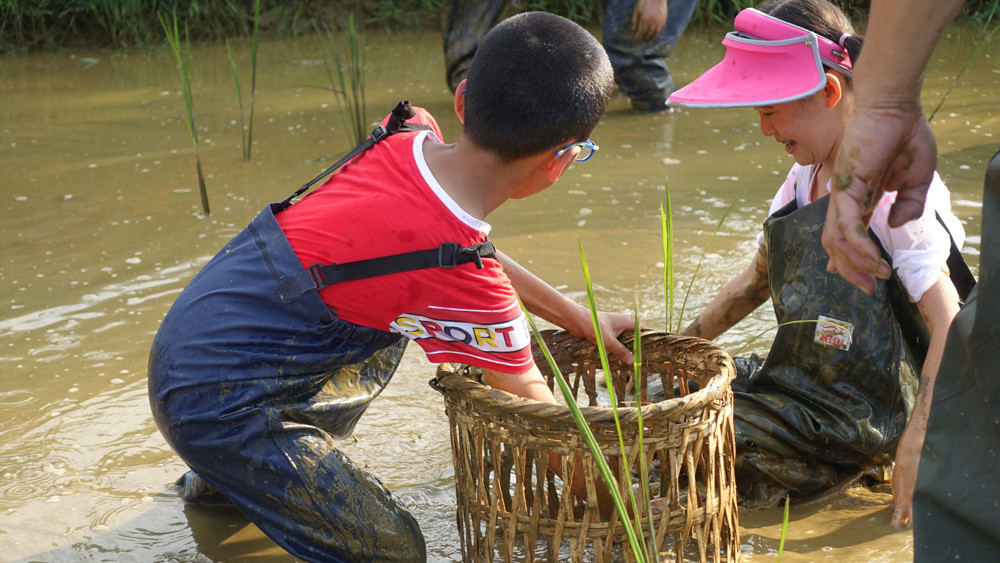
833 333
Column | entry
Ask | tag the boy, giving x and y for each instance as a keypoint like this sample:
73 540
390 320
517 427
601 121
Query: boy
249 379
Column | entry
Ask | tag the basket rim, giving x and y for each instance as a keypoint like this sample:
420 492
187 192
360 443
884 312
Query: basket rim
452 385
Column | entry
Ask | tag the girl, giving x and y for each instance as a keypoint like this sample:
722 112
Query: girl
835 392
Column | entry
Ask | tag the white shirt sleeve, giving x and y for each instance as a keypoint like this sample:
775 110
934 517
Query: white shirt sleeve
919 248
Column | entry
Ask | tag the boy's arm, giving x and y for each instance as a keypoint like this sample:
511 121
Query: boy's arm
543 300
531 385
938 306
744 293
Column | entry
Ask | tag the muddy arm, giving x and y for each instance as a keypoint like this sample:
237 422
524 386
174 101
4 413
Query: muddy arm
744 293
938 306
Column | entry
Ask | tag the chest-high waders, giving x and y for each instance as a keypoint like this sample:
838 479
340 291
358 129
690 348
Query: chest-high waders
837 386
955 504
251 377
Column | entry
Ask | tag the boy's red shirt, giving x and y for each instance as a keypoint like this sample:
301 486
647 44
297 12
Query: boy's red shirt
384 202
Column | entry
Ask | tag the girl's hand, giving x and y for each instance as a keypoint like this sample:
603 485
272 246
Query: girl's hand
904 474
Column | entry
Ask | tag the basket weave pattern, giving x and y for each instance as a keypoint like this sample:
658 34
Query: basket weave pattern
511 504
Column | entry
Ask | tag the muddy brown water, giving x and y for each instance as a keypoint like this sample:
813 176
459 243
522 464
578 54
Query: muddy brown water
101 228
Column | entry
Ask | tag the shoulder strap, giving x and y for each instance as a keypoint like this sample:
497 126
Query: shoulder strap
447 255
959 271
318 276
397 123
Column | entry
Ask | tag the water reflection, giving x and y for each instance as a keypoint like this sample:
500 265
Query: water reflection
101 230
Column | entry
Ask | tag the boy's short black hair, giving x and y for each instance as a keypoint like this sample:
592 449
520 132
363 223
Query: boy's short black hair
536 80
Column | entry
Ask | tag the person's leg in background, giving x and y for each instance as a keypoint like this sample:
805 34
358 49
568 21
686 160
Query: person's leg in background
463 24
641 69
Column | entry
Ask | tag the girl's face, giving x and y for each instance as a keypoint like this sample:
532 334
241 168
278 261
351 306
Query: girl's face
810 129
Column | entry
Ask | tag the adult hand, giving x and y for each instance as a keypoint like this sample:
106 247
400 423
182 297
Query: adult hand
649 18
887 145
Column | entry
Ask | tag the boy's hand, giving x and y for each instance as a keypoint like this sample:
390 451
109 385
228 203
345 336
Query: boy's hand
612 324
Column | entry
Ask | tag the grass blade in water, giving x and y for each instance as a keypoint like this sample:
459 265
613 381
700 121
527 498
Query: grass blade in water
602 351
588 438
183 58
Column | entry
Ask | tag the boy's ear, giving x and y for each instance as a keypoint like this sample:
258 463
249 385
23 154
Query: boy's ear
833 90
460 101
558 164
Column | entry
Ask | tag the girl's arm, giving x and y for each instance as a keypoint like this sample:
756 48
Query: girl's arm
938 306
744 293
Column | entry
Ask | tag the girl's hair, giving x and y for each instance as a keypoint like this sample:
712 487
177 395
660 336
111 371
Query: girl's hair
536 80
820 17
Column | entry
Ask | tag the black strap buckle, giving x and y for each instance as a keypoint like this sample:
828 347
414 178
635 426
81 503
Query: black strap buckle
477 252
448 255
379 133
316 272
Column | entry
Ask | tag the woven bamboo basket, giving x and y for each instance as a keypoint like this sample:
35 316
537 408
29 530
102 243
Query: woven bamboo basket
512 507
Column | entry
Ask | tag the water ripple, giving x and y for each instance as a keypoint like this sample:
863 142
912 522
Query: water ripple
15 398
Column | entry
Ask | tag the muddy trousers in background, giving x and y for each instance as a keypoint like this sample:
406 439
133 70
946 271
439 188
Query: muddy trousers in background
641 69
251 391
956 505
463 25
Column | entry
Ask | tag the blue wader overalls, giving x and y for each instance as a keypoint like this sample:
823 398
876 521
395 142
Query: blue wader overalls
813 414
250 391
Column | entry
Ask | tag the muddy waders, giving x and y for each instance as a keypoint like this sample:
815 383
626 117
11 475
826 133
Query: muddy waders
250 391
640 67
832 396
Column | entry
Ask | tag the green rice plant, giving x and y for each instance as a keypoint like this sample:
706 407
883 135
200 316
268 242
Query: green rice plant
603 353
784 530
983 11
246 127
667 230
643 469
588 435
350 92
288 21
183 57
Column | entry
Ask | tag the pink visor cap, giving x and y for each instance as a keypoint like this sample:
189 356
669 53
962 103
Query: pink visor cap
768 62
